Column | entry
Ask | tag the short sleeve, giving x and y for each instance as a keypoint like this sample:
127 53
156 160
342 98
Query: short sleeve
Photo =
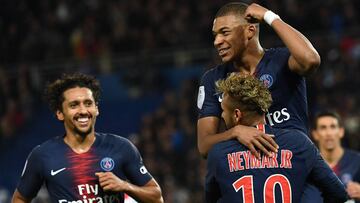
31 178
134 168
208 99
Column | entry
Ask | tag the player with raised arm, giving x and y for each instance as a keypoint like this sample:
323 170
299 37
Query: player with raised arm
235 175
236 38
84 166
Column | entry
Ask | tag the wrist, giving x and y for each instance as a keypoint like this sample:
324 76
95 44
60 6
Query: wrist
235 132
270 16
126 188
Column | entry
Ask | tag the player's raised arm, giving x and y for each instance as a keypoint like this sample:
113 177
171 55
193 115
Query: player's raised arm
18 198
148 193
304 58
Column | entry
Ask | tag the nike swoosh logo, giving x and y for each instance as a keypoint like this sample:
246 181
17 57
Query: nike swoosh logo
57 171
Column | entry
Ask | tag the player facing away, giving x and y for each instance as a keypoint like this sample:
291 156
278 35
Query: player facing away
236 175
236 38
84 166
328 132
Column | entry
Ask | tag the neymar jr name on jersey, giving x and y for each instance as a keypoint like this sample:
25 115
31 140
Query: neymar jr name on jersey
243 160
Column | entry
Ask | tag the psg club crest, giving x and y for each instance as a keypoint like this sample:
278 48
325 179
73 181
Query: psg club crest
267 80
107 164
346 178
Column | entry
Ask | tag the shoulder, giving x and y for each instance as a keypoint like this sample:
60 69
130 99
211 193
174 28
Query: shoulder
215 154
117 141
354 155
214 73
292 137
225 147
50 144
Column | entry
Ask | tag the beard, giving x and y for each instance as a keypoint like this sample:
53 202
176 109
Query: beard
83 134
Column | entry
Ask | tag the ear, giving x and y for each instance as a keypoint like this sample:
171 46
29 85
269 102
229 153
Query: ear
59 115
251 31
97 110
237 115
341 132
314 135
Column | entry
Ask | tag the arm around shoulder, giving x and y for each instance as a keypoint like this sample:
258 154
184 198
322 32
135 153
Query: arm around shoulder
207 135
252 138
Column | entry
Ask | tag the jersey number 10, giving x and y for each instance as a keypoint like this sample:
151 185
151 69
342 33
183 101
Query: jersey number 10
246 184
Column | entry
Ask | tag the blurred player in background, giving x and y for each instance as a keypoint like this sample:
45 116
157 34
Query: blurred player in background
236 33
328 132
235 175
84 166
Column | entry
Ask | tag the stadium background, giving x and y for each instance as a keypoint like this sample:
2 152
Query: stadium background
149 56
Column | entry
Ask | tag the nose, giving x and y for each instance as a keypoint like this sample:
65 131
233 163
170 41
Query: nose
83 109
218 40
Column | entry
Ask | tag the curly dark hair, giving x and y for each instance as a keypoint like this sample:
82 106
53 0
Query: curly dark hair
54 91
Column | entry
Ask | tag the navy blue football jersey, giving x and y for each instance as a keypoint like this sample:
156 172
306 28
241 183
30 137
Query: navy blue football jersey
288 91
347 169
235 175
70 177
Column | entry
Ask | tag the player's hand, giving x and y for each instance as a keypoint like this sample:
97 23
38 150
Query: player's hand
254 139
353 189
110 182
255 13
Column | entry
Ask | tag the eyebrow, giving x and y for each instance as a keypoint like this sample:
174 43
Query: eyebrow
223 29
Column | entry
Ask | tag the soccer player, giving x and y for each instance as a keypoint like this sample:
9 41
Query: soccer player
328 132
236 33
84 166
235 175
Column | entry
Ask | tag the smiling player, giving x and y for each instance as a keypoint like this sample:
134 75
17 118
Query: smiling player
84 166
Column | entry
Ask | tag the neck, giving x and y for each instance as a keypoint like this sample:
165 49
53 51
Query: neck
253 121
80 144
250 58
332 157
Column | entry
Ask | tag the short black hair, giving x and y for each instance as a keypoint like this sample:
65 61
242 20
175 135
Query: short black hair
237 8
54 91
327 113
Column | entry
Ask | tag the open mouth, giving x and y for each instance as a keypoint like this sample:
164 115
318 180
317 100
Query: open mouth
83 121
223 51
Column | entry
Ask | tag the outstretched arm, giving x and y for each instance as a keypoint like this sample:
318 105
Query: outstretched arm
304 59
148 193
252 138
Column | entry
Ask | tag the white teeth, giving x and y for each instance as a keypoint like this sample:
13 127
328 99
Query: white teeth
83 119
222 51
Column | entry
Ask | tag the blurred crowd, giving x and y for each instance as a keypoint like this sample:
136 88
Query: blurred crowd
94 32
167 141
16 100
41 30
